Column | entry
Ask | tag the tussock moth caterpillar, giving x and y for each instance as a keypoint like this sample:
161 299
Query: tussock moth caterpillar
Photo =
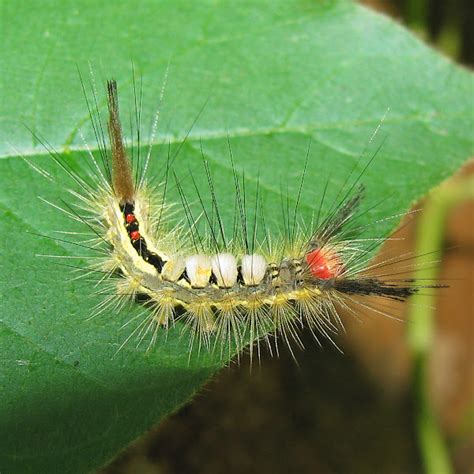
225 291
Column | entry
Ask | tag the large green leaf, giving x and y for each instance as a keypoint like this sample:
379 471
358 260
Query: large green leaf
275 74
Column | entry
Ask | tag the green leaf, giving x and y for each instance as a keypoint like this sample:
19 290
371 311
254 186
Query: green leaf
273 75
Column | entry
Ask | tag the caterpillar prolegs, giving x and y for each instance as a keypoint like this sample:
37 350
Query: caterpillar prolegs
225 292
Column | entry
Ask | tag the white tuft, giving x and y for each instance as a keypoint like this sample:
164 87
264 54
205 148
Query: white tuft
198 268
224 267
254 268
173 269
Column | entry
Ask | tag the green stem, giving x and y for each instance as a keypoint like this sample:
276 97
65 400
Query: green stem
430 237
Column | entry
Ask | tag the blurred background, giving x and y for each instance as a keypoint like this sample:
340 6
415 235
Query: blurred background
447 24
355 410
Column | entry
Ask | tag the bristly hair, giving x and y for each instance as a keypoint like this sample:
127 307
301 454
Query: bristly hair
121 171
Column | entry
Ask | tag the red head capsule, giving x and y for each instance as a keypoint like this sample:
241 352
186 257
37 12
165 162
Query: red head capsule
129 218
324 264
135 235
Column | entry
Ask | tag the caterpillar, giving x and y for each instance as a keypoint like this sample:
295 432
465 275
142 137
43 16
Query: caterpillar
223 292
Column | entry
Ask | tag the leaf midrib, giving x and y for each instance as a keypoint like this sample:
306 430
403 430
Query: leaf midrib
242 132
